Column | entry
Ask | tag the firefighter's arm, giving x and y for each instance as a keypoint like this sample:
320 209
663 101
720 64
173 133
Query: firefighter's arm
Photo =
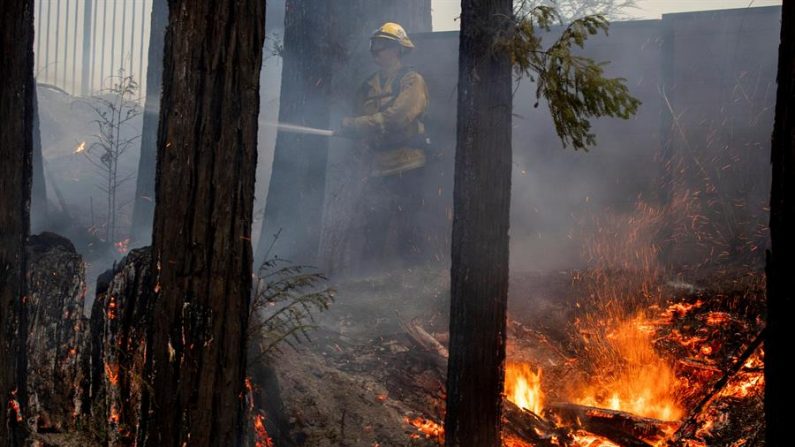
409 105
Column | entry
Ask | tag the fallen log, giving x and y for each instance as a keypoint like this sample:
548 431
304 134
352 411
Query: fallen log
623 428
532 428
426 342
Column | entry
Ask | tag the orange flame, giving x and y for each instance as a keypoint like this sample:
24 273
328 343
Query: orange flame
585 439
80 147
263 439
644 384
523 386
114 415
112 372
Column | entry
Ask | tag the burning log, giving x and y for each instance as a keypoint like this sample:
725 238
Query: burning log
531 427
623 428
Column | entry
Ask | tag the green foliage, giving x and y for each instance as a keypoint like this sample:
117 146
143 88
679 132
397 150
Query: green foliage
574 86
285 298
569 10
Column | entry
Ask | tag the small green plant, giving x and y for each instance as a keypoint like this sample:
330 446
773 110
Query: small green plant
115 108
285 298
574 86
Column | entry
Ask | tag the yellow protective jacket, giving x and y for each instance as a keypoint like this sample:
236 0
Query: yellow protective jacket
390 122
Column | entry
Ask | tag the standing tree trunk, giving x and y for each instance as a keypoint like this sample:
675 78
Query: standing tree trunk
16 147
779 388
144 205
294 207
207 154
479 271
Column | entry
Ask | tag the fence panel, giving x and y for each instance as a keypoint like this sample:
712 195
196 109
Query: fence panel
80 44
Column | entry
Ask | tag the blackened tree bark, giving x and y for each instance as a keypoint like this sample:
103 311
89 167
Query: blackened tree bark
16 145
779 387
294 207
202 257
144 205
479 270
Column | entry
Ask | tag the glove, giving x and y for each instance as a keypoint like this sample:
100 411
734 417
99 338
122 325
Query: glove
346 128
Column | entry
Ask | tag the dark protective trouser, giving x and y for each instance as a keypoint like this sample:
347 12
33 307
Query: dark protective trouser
391 213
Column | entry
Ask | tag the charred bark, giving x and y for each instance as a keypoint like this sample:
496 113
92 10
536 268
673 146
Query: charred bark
479 270
779 387
144 205
92 411
201 254
16 146
56 281
121 346
294 207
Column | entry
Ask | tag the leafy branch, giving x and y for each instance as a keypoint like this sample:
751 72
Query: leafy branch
574 86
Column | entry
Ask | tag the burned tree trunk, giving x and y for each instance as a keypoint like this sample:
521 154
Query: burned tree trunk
294 207
56 282
144 205
479 270
16 145
779 388
119 321
201 256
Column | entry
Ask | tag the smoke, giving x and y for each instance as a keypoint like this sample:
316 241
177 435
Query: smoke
702 132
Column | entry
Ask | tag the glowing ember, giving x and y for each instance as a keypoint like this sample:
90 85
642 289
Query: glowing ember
640 382
427 428
513 441
585 439
718 318
523 386
80 147
112 373
111 312
14 410
263 439
123 246
114 415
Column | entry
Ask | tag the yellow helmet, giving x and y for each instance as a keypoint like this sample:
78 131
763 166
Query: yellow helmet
395 32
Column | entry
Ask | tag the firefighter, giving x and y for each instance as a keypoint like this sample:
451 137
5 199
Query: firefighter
389 107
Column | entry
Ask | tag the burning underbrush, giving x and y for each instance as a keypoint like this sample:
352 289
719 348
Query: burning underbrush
685 369
687 372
